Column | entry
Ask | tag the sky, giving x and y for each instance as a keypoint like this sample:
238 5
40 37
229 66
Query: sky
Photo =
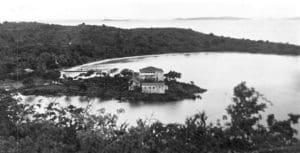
37 10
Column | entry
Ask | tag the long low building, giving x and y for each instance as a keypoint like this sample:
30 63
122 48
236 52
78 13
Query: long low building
154 87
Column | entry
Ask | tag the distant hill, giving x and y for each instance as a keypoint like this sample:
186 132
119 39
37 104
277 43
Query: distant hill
294 18
213 18
44 47
117 20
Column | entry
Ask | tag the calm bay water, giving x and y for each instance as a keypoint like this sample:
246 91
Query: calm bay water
276 77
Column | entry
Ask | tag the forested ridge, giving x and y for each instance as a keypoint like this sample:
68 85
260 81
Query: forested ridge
44 47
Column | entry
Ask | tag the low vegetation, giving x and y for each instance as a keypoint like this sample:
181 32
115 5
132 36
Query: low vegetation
74 130
177 91
115 87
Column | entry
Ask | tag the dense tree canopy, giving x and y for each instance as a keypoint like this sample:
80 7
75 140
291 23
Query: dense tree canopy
46 46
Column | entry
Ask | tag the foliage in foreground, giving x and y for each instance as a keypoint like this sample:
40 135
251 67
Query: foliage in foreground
75 130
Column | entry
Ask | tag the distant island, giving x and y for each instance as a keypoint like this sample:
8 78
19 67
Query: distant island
122 20
48 48
213 18
294 18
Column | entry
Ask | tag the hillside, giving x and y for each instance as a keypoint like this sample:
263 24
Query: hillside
43 47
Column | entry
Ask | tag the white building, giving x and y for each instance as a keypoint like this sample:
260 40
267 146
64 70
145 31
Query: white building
149 80
154 87
152 74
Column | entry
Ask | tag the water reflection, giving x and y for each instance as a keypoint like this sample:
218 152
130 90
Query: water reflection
297 81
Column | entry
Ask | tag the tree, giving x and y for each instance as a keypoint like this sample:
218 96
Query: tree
127 72
12 113
46 61
70 129
172 75
245 114
28 82
89 73
6 114
52 75
282 132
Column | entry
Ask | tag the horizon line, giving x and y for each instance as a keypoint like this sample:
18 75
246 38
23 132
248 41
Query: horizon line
154 19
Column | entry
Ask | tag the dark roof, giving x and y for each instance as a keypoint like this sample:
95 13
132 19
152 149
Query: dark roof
150 69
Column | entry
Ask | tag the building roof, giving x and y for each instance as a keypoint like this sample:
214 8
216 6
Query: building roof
152 83
150 69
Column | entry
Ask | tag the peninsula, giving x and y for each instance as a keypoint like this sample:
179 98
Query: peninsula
150 84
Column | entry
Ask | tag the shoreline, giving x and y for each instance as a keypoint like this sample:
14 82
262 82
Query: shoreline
166 54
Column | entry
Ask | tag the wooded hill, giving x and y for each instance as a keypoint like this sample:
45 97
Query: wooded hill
45 47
